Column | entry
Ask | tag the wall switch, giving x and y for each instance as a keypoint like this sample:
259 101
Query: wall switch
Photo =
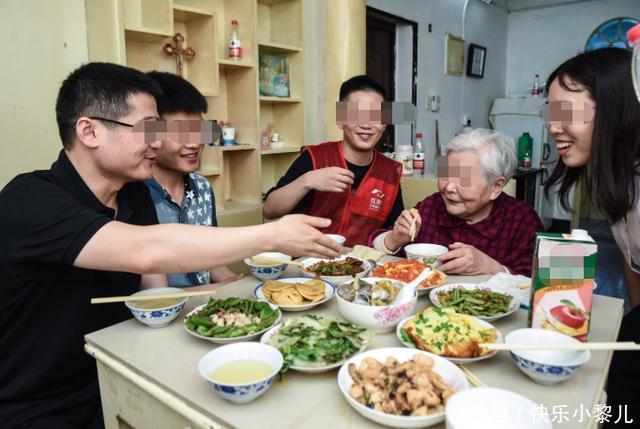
433 103
466 120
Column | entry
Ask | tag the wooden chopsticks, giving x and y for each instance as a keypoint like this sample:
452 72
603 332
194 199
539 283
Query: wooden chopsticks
550 346
473 379
261 260
412 229
151 297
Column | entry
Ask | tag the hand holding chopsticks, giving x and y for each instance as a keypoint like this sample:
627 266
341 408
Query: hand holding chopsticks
562 346
151 297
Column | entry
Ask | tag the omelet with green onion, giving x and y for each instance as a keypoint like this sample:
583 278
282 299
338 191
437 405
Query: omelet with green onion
446 333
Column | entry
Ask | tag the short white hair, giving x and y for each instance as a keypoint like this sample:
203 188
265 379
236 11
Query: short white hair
495 150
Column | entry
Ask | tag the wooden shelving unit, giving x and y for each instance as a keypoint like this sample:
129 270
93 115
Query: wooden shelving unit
132 32
280 31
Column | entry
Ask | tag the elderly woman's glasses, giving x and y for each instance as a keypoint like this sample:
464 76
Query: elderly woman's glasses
183 132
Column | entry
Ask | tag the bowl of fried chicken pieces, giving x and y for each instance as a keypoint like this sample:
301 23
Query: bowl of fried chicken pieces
400 387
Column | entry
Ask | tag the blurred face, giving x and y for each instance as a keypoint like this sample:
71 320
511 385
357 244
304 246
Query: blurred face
179 157
464 188
122 152
570 117
361 123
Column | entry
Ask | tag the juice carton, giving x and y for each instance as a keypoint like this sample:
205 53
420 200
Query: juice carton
564 271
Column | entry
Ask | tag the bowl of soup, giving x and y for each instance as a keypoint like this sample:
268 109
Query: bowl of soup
241 372
157 313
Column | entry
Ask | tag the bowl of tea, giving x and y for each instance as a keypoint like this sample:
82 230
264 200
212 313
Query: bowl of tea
157 313
241 372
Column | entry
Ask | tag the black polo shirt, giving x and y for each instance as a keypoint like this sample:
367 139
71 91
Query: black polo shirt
46 218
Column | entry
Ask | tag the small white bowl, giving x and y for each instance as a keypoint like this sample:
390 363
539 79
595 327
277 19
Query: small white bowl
426 253
376 318
247 392
451 374
491 408
157 317
329 291
334 280
546 366
267 272
340 239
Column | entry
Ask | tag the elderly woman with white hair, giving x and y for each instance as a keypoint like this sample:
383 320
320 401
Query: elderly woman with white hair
486 230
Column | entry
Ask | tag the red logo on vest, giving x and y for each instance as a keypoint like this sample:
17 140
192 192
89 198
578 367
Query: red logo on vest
376 200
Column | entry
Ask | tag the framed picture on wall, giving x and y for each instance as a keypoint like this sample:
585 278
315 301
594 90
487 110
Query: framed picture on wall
477 58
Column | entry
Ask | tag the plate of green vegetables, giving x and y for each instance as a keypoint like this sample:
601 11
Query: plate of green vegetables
485 302
314 344
231 320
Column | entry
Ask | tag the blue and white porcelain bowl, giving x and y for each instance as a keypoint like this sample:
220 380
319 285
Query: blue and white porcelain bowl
546 366
160 316
267 271
241 393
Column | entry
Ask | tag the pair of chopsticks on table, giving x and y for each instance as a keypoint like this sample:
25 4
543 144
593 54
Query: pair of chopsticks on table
473 379
151 297
628 345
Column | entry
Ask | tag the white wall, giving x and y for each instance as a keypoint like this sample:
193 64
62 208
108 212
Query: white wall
484 25
543 38
41 43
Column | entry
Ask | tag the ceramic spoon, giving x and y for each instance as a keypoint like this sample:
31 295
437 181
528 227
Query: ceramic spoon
407 292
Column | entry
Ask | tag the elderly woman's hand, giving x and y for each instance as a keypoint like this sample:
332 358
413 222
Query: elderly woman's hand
466 260
401 233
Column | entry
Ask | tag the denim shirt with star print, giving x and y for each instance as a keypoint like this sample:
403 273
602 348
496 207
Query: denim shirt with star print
198 207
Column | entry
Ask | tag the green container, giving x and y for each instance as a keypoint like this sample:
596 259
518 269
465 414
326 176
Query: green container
525 146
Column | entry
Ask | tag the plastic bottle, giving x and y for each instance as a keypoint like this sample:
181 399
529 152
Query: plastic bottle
525 145
536 90
235 45
418 156
633 36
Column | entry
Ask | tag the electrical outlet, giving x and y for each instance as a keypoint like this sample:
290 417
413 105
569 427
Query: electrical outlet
466 120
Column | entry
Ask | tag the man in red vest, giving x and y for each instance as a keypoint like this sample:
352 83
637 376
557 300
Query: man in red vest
347 181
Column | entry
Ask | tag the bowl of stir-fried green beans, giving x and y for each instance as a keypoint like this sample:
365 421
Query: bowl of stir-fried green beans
336 271
482 301
231 320
313 343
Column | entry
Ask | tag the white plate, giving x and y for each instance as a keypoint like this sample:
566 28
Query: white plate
484 324
247 337
334 280
310 369
451 374
513 305
329 292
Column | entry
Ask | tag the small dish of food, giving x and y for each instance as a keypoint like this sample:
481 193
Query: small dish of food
426 253
241 372
485 302
265 266
408 269
340 239
157 313
295 293
314 344
335 271
449 334
231 320
368 302
399 387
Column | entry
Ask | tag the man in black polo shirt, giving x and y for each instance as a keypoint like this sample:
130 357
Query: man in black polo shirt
86 228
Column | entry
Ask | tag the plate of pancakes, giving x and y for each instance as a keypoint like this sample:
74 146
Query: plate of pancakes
295 293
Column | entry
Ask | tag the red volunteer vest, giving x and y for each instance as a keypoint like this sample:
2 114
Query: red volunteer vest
355 215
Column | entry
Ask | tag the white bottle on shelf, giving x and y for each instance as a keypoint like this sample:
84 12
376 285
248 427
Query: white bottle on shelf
235 45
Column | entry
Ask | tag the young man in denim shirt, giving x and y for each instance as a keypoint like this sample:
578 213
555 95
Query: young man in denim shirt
179 194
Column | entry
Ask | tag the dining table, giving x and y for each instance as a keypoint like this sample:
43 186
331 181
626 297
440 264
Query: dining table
149 377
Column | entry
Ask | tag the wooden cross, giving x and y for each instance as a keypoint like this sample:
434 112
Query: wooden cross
179 52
